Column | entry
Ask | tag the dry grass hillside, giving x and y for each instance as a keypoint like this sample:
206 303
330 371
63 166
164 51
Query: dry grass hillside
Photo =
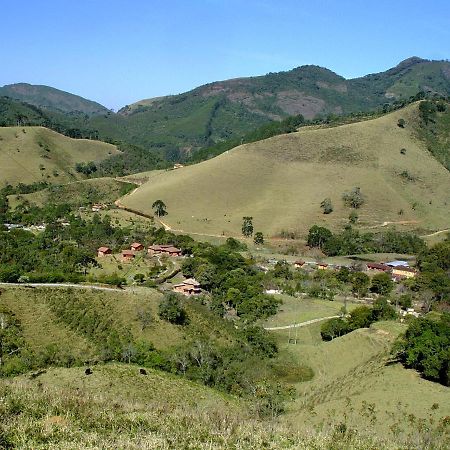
30 154
281 181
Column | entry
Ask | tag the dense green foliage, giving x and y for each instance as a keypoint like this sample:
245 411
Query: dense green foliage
426 348
170 309
435 128
360 317
351 241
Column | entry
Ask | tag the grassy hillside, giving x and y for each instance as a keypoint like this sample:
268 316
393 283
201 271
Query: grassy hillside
30 154
77 193
50 98
281 181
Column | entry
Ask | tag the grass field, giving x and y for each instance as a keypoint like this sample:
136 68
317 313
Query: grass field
30 154
281 182
301 309
353 384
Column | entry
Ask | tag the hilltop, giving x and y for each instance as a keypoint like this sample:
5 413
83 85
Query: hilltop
176 126
32 154
281 181
52 99
227 109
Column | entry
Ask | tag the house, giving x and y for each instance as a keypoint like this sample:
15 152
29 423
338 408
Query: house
322 266
164 250
137 247
272 291
96 207
103 251
400 272
299 264
188 287
128 255
178 166
397 263
378 267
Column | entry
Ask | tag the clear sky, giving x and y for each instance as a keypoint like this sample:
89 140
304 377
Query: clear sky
120 51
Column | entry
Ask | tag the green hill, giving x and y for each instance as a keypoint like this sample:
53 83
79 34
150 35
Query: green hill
53 99
228 109
31 154
281 181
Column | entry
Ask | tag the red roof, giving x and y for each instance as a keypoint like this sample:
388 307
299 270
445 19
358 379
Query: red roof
377 266
136 245
104 249
127 253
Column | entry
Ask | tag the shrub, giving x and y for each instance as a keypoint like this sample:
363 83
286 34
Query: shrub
354 198
401 123
327 206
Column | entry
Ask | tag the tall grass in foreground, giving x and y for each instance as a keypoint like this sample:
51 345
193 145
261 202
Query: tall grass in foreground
38 417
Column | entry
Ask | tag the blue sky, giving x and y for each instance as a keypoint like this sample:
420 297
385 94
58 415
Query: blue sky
119 51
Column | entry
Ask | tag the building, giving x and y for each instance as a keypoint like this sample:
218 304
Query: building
103 251
128 255
178 166
188 287
378 267
137 247
397 263
400 272
299 264
322 266
169 250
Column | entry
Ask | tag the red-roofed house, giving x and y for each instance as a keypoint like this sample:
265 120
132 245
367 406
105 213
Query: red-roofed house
403 272
299 264
188 287
137 247
322 266
128 255
103 251
164 250
378 267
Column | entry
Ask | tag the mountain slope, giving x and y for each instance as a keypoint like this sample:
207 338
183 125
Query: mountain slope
227 109
52 99
30 154
281 181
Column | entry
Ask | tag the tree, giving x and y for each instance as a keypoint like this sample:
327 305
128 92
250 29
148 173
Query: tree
259 238
360 317
382 284
170 309
327 206
354 198
333 328
382 310
360 283
401 123
318 236
160 208
247 226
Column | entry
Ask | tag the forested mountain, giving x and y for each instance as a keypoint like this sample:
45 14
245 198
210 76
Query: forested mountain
176 126
50 98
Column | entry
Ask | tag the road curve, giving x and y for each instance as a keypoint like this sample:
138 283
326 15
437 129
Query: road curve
301 324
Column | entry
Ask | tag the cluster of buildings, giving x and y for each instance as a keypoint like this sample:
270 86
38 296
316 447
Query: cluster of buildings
399 270
136 247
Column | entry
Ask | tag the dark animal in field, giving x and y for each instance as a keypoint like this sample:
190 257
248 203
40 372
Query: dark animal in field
142 371
88 371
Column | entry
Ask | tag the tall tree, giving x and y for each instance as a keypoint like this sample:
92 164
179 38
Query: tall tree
160 208
247 226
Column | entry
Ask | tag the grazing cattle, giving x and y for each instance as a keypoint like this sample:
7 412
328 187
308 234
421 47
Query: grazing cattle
142 371
88 371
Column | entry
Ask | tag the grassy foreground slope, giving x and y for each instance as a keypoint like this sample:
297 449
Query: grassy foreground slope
30 154
281 181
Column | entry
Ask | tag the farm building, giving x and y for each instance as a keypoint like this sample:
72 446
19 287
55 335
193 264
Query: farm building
137 247
322 266
128 255
169 250
397 263
188 287
403 272
299 264
378 267
103 251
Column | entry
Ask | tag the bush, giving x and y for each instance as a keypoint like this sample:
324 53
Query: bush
354 198
170 309
327 206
